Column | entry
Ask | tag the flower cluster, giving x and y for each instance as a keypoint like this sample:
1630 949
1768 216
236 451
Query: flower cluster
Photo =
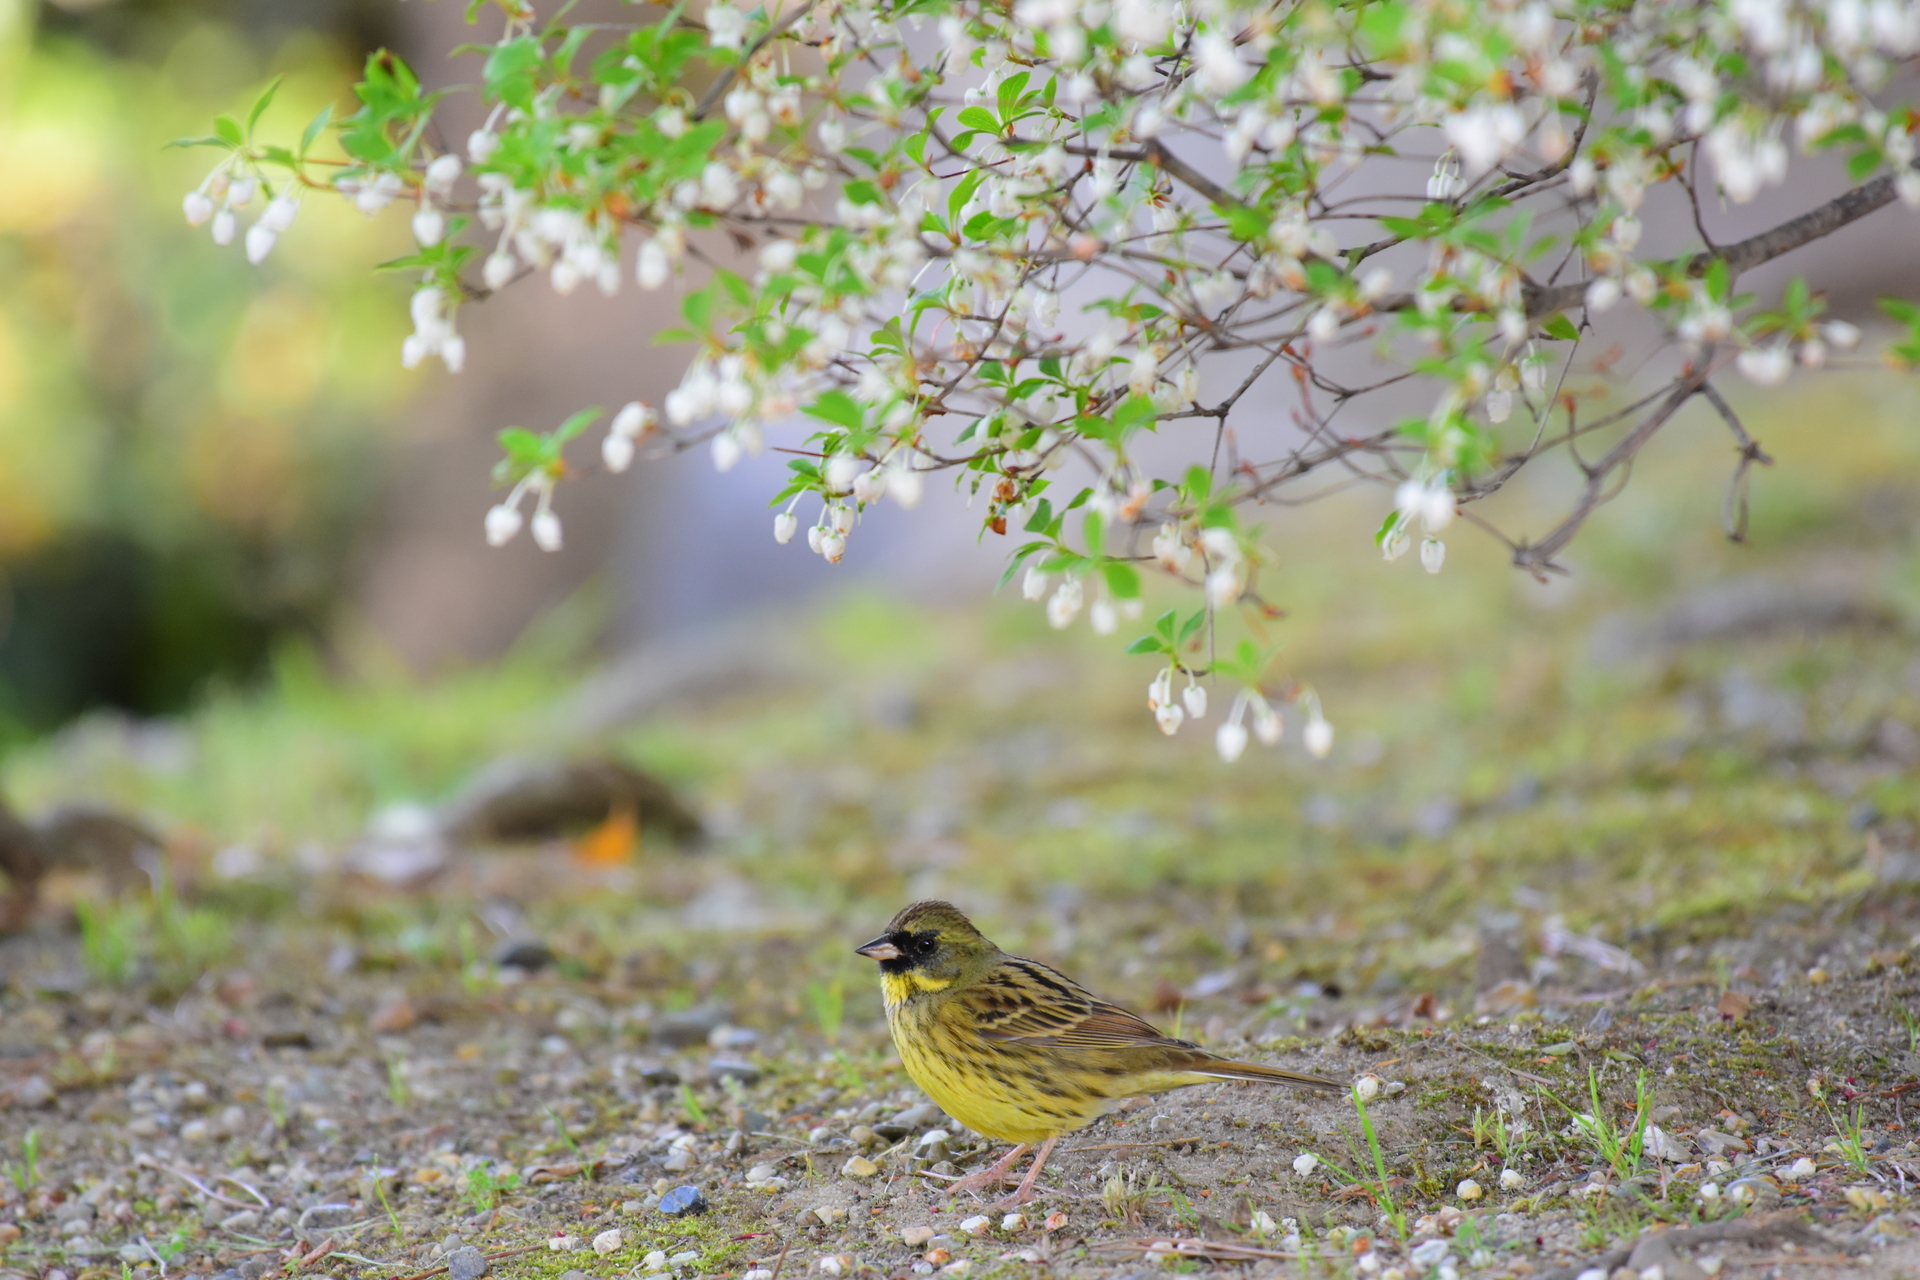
1003 255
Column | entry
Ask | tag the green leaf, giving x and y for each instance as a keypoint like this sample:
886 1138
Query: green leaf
1122 579
260 105
1042 516
979 118
228 130
1558 326
1719 280
574 425
511 71
1192 625
1148 644
838 408
314 129
1902 310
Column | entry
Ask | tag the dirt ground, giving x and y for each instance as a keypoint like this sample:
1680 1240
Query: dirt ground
1608 902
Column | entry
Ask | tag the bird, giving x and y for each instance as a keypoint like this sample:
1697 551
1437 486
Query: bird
1018 1051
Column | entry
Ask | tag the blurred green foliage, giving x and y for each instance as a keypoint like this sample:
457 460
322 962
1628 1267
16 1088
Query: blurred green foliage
188 444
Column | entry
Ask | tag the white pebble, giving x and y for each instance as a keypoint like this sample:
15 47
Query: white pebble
655 1261
1014 1222
608 1242
916 1236
978 1225
1512 1179
1468 1190
1368 1087
1802 1168
1305 1163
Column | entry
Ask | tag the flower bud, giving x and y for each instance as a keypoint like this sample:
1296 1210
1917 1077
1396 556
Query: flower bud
653 267
1433 554
841 468
443 171
1104 619
634 419
198 206
1169 717
260 238
617 451
815 534
280 213
498 270
224 227
1319 737
481 144
726 451
1035 584
870 486
906 485
429 227
833 546
546 529
453 352
785 525
1195 696
503 524
1266 721
241 193
840 518
1230 740
1065 604
1602 293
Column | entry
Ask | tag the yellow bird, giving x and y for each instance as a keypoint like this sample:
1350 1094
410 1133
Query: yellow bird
1019 1052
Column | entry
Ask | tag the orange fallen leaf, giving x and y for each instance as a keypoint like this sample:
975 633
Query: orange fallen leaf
612 842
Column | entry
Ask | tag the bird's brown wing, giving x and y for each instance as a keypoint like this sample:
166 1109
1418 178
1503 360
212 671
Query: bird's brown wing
1024 1001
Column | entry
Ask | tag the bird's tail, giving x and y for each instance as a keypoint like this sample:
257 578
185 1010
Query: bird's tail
1223 1069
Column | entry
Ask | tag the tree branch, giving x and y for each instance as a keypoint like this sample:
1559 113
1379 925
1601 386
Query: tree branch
1538 556
1745 255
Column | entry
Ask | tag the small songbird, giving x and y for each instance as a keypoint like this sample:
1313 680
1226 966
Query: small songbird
1017 1051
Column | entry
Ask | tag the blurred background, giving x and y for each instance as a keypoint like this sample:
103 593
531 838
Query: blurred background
243 588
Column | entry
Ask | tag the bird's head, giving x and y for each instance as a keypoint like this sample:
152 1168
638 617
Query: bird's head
928 946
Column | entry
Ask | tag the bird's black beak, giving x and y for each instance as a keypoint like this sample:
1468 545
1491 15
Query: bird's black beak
881 948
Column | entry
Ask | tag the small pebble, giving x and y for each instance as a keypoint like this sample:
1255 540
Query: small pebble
466 1263
1801 1168
682 1258
916 1236
762 1173
608 1242
836 1264
1868 1199
631 1207
1512 1179
1816 975
1305 1163
1468 1190
829 1214
1709 1191
655 1261
1014 1222
978 1225
938 1257
245 1220
864 1136
758 1273
1055 1221
859 1167
683 1200
1368 1087
564 1244
574 1275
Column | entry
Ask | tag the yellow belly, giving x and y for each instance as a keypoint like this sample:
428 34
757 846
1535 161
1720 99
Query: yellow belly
1013 1093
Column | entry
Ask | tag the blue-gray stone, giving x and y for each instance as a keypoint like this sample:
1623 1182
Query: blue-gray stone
683 1200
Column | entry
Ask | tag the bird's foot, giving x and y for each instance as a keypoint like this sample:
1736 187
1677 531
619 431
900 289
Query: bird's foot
991 1176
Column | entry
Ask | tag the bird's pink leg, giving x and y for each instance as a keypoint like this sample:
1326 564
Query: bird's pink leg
1025 1193
990 1176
